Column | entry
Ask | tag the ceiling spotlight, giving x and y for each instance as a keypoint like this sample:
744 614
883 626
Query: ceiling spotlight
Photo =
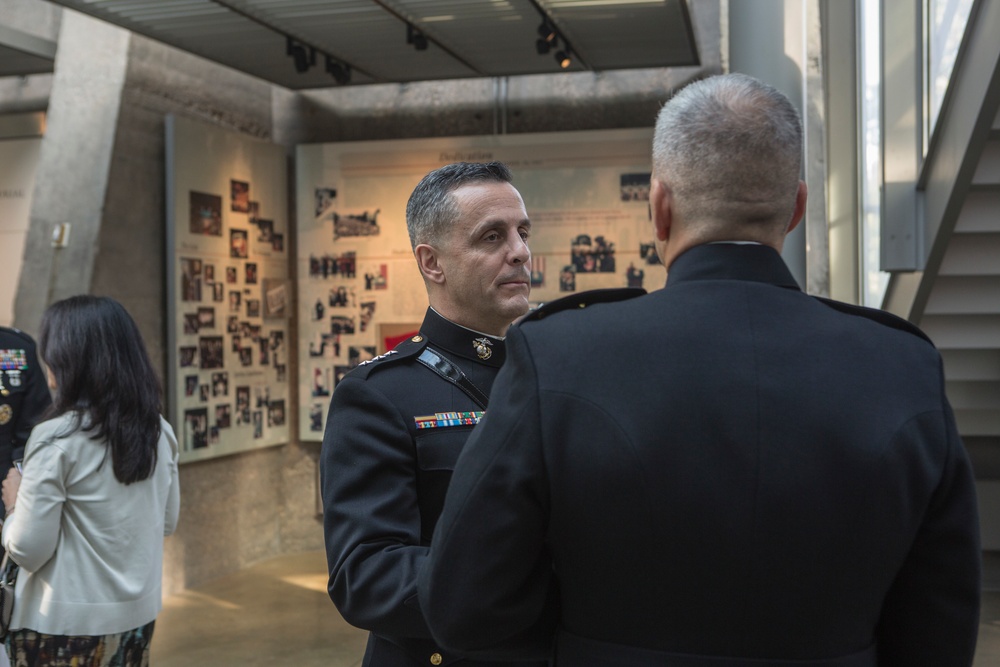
563 59
547 32
340 72
304 57
542 46
416 38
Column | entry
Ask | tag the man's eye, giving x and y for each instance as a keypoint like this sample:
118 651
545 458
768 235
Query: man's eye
524 234
492 236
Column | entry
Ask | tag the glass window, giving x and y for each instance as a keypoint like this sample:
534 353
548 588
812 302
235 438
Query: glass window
873 280
945 26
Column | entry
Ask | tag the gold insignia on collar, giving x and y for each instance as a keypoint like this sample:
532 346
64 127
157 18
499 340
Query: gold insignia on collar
6 414
482 346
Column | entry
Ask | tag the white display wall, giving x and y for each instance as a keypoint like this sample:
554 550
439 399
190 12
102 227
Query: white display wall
228 290
18 164
587 194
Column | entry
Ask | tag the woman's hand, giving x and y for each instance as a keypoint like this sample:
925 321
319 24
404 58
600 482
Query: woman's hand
10 486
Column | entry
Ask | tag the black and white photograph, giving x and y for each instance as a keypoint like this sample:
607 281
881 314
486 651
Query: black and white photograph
190 323
235 344
341 324
253 307
187 355
276 413
341 297
195 428
213 435
233 324
211 351
190 279
316 412
265 230
220 384
190 385
240 194
239 246
324 199
364 223
246 356
223 415
365 314
235 299
635 187
258 424
206 318
206 214
204 391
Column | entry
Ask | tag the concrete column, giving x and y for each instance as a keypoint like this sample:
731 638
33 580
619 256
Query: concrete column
73 166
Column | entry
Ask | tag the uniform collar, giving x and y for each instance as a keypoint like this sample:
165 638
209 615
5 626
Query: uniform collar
456 339
729 261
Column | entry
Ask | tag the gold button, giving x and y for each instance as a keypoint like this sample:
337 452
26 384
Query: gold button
417 339
436 658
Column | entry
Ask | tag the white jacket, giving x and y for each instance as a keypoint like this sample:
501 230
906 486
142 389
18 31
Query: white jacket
90 548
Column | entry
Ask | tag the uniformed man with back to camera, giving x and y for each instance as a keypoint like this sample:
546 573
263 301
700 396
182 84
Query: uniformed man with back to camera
398 422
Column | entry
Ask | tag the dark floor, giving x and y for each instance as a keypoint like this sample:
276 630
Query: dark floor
278 613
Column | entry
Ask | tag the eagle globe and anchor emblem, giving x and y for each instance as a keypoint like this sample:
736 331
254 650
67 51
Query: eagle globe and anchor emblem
482 346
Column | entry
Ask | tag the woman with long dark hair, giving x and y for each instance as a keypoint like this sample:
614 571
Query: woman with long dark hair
99 491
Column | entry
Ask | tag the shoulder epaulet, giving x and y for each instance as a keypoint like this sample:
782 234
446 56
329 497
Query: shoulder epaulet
874 314
408 349
582 300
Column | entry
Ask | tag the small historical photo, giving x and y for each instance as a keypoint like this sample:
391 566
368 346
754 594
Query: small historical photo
206 318
321 382
190 385
253 307
339 373
262 396
275 298
253 211
218 292
213 435
195 428
366 314
324 200
326 266
265 230
537 271
265 351
190 279
278 242
377 278
223 416
592 254
258 424
341 324
243 401
246 356
204 391
236 341
634 187
316 411
190 323
567 279
205 214
276 413
239 246
211 350
220 384
231 274
364 223
233 324
209 272
634 276
647 252
240 193
250 273
187 355
235 300
341 297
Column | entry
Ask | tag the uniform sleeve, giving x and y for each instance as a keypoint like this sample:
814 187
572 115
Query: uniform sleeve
931 613
371 518
488 588
31 532
36 400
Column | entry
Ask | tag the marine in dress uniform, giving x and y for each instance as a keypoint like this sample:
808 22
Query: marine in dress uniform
24 395
395 430
727 472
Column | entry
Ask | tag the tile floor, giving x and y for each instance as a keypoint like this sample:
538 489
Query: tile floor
277 613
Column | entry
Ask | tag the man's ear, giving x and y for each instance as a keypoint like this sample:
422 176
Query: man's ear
800 206
427 260
660 201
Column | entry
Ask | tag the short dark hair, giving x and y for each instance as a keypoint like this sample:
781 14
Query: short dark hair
103 374
431 210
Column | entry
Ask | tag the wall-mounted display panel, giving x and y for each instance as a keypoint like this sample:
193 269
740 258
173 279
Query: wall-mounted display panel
228 290
587 194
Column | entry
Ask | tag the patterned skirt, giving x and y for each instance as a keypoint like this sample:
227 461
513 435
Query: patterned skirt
27 648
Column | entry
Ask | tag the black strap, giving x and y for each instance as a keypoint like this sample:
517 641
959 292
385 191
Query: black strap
453 374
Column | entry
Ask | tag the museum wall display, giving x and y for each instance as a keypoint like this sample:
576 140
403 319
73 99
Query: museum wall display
228 290
18 164
359 290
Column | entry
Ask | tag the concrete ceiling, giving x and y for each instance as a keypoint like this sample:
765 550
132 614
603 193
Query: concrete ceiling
352 42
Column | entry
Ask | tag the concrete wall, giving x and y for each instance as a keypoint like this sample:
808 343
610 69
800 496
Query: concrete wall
102 169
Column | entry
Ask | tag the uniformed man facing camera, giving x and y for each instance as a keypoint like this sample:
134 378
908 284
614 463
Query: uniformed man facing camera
24 396
398 422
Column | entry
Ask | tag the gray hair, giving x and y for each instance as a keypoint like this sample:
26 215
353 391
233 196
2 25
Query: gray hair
431 210
730 149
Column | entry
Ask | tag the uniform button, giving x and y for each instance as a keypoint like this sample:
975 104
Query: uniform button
436 658
417 339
